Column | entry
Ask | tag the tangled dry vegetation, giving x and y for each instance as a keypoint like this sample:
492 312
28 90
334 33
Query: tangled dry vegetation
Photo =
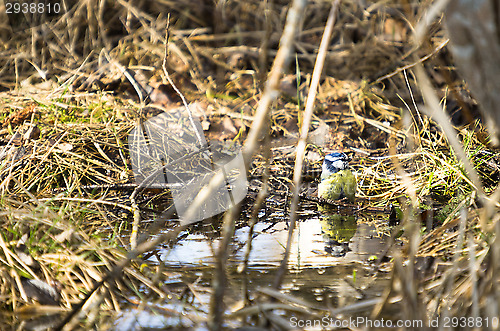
72 93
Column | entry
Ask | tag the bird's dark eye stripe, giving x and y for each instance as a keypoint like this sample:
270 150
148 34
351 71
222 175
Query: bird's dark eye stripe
332 157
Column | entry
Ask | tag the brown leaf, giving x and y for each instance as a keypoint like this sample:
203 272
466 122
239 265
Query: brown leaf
18 117
32 133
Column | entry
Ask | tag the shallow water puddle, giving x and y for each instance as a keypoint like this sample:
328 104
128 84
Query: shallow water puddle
268 246
322 270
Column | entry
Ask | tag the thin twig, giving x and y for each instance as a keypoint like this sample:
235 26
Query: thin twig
411 65
261 196
301 146
270 94
201 141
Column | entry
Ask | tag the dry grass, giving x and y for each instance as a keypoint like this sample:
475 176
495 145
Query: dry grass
84 81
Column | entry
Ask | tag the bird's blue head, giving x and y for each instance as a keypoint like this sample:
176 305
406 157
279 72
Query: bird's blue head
333 163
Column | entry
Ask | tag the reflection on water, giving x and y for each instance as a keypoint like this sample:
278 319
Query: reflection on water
338 230
313 240
318 273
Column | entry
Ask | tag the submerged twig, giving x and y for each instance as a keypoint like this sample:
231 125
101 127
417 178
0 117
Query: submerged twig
261 197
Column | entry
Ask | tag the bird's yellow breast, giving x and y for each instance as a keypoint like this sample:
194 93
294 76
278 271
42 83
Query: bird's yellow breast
338 185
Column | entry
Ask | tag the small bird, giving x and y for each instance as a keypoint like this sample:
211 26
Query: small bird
337 180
